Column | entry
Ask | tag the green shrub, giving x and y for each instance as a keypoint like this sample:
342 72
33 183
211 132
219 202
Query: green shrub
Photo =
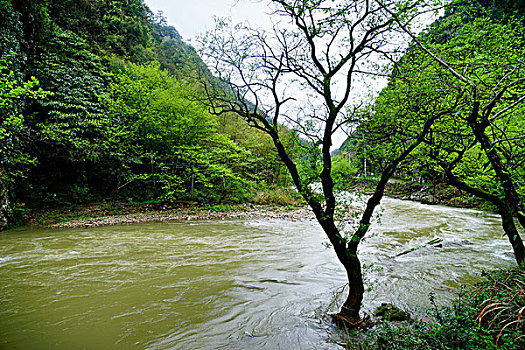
486 316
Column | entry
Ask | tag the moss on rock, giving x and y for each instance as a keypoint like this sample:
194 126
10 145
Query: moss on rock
391 312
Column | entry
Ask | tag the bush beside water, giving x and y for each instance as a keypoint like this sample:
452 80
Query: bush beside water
488 315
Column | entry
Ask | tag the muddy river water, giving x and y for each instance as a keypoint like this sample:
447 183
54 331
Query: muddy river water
257 284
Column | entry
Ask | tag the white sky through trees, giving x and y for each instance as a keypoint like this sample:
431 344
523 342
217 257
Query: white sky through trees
193 17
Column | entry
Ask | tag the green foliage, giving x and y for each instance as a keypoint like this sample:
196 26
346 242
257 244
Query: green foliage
72 117
127 29
15 161
342 168
111 27
267 167
278 196
488 51
491 53
79 125
12 129
166 138
68 126
218 208
455 332
389 312
470 323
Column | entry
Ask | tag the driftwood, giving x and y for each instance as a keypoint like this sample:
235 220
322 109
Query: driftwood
432 242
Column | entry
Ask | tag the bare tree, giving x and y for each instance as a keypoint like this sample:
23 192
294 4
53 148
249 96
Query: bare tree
303 74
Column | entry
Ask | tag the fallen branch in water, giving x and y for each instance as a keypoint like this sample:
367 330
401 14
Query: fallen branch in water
432 242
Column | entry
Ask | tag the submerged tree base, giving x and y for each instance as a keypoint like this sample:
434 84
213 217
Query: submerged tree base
386 312
468 323
347 323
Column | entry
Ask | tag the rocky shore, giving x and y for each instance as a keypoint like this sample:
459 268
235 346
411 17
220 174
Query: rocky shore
131 214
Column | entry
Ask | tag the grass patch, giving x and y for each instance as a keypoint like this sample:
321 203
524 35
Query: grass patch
278 196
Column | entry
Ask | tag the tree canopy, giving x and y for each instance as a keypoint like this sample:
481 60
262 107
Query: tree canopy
470 65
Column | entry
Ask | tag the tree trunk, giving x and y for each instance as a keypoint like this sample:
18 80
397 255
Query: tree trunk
352 305
507 221
511 204
4 206
347 255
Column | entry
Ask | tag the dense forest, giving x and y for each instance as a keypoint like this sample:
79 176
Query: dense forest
102 101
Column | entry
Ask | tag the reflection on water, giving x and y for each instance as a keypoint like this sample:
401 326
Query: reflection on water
261 284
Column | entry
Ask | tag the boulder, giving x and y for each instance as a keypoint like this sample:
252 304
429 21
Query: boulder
423 197
390 312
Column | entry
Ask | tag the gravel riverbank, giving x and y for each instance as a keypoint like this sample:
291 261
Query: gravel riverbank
180 214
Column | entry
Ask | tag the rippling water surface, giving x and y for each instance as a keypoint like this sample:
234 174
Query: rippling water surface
263 284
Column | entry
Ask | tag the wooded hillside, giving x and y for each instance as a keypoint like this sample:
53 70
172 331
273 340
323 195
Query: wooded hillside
101 101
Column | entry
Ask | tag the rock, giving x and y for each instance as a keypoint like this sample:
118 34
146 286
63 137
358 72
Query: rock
423 197
429 199
390 312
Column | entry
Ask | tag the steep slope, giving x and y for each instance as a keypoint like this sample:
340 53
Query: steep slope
102 98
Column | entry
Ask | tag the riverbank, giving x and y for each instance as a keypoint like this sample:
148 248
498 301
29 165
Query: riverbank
130 213
485 316
426 193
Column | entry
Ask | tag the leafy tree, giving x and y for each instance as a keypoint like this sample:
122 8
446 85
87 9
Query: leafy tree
70 124
12 129
165 138
480 145
14 93
266 167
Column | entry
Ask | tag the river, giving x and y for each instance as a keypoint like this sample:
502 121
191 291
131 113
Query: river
258 284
